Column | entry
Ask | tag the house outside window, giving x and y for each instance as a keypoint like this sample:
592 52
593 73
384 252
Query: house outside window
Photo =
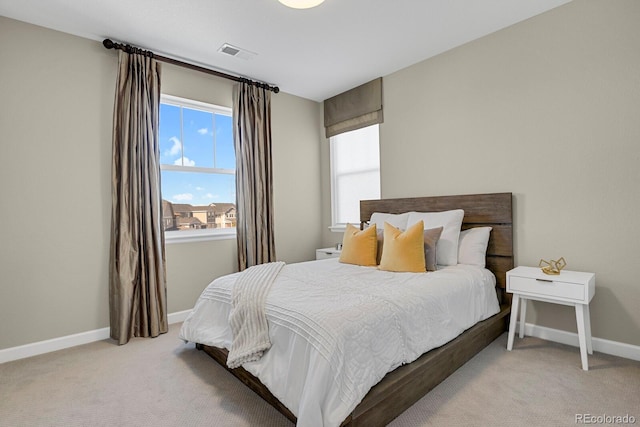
355 173
197 164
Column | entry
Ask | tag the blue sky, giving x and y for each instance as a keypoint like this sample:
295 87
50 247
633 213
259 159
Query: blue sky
202 131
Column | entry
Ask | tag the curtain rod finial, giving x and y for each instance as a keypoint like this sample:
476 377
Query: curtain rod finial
108 43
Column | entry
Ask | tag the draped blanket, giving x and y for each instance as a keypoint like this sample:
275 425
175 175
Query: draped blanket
247 319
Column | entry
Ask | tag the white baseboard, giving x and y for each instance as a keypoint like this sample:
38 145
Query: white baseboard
628 351
178 316
41 347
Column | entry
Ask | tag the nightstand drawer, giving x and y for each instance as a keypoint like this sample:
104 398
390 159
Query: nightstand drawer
547 288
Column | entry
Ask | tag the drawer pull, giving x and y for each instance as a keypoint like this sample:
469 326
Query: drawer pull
544 280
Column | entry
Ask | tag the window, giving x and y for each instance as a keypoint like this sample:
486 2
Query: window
355 173
198 166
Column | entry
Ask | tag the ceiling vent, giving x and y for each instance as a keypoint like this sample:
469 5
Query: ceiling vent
236 52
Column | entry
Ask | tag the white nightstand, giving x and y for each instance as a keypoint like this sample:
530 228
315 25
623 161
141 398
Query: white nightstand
569 288
328 253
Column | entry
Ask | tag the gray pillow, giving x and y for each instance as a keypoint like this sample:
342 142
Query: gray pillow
431 237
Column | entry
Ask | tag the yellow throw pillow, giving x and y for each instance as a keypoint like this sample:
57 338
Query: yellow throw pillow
403 251
359 247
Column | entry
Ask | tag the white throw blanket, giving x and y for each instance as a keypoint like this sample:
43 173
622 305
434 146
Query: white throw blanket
247 319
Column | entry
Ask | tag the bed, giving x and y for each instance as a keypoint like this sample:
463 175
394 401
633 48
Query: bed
406 382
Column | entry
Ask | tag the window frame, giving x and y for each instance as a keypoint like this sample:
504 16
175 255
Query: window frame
184 236
337 226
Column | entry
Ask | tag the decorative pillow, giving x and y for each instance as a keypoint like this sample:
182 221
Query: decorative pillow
397 220
431 237
359 247
472 246
403 251
380 238
451 221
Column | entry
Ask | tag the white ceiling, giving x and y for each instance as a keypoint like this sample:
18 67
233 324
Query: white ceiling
314 53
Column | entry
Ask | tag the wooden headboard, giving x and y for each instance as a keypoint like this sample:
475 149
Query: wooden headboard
494 210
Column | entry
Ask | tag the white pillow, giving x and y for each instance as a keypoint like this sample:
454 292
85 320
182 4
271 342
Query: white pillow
472 246
451 221
399 221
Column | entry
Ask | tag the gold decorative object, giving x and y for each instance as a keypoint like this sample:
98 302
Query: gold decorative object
553 266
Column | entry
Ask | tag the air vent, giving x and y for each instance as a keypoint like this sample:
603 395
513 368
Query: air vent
236 52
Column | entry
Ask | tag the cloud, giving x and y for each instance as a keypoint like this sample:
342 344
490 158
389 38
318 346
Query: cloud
183 197
210 196
176 148
199 188
203 131
184 161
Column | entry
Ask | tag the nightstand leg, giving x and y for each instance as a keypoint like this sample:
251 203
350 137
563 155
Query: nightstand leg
512 322
523 315
582 336
587 328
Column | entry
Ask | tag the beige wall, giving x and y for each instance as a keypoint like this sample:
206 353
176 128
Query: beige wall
548 109
55 116
296 177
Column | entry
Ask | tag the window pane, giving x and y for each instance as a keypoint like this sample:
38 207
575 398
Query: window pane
225 151
355 166
355 154
198 188
170 134
352 188
197 201
197 131
196 141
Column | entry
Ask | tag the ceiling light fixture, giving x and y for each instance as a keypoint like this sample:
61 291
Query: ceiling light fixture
301 4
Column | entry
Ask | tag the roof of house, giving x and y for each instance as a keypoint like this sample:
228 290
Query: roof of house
189 221
218 208
182 207
167 209
223 207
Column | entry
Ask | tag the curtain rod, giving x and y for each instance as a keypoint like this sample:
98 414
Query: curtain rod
109 44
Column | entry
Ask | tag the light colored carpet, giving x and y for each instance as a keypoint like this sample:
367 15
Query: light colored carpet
164 382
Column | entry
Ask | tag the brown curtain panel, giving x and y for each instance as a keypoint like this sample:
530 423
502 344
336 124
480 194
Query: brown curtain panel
137 277
254 194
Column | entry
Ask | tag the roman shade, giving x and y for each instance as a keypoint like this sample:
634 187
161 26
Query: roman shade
354 109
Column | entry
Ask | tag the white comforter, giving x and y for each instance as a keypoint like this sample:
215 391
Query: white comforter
337 329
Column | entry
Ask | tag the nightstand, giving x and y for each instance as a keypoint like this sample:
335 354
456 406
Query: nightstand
572 288
328 253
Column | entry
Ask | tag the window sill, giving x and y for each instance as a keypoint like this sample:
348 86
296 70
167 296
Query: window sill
338 228
171 237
